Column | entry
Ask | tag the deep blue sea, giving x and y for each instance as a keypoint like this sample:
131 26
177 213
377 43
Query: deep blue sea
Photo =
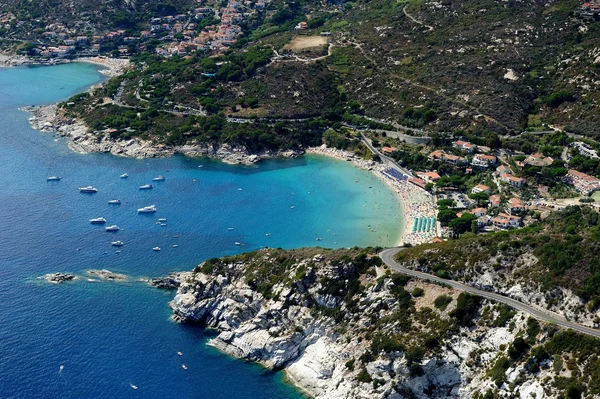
110 335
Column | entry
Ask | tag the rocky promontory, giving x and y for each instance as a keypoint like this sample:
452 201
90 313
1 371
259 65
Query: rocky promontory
51 119
342 326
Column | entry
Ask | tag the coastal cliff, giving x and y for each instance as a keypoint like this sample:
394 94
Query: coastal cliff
342 326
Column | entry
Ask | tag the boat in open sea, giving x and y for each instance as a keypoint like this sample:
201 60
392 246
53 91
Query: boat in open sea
159 178
156 249
114 202
147 209
98 221
88 189
124 176
146 187
114 227
162 220
53 178
117 243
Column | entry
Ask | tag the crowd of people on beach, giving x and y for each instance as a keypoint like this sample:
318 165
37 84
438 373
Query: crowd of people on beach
417 203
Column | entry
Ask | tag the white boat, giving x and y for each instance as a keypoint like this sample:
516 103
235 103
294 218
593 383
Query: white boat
180 353
133 386
98 221
159 178
53 178
230 229
114 227
114 202
237 243
146 187
163 224
147 209
183 366
88 189
162 219
156 249
174 246
124 176
117 243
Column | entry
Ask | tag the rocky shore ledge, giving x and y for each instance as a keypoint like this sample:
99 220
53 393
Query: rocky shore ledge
342 326
49 119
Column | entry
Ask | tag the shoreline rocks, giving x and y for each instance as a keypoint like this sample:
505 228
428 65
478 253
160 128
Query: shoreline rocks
294 329
49 119
170 282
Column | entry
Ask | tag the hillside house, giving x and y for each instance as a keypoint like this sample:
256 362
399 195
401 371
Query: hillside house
464 146
516 206
430 177
480 188
483 161
538 159
388 150
512 180
505 221
494 201
479 212
583 183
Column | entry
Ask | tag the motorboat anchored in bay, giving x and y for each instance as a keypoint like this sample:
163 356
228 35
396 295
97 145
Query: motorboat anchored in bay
147 209
159 178
88 189
117 243
53 178
146 187
114 202
114 227
98 221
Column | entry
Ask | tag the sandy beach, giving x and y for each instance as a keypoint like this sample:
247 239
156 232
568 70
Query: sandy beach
112 66
415 202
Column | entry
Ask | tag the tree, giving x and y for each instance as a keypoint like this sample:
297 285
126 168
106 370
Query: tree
445 216
481 198
474 227
446 203
462 224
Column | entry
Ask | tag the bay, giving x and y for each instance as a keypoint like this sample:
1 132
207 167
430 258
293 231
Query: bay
111 335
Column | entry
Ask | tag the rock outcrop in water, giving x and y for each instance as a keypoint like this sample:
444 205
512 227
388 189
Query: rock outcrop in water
107 275
342 326
58 278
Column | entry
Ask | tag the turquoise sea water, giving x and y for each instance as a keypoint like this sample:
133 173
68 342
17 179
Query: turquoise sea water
111 335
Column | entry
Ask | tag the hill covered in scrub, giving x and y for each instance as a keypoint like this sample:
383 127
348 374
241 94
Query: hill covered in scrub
341 326
554 264
480 64
477 65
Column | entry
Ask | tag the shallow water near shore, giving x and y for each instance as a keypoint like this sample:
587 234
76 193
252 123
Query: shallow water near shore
111 335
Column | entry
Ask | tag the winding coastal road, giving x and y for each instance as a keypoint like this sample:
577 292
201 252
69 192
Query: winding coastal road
387 256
